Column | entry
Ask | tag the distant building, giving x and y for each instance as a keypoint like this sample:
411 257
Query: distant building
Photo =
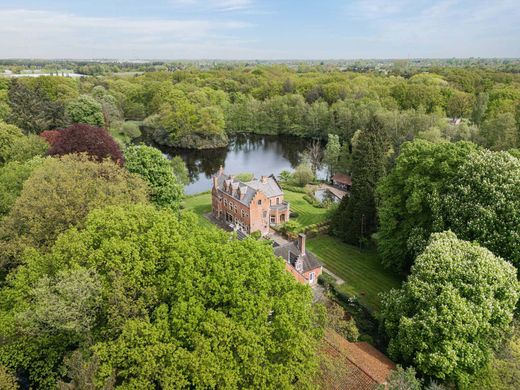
342 180
304 266
248 206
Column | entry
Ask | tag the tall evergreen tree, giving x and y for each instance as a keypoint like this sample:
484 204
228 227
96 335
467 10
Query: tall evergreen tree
356 217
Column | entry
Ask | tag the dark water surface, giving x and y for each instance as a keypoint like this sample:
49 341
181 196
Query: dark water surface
257 154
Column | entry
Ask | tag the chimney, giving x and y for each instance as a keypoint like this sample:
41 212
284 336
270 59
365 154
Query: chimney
215 181
221 170
301 243
263 179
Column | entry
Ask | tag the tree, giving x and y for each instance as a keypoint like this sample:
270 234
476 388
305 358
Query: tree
51 136
459 104
180 170
85 110
479 108
403 379
455 307
180 306
483 203
94 141
32 109
500 133
503 371
7 379
410 198
356 216
332 153
14 146
155 169
303 174
59 194
12 177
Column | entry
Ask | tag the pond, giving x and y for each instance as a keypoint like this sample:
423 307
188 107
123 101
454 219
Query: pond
323 195
257 154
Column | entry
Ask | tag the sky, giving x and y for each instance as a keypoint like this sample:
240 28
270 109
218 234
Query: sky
259 29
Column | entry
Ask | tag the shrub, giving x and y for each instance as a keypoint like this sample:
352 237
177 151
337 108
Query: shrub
94 141
244 176
303 174
294 214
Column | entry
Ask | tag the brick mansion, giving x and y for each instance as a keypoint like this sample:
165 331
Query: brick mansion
249 206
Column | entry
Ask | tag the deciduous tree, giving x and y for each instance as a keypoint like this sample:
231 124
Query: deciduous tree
94 141
156 170
455 307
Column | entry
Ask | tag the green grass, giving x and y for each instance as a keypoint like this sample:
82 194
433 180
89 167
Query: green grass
200 204
361 270
307 213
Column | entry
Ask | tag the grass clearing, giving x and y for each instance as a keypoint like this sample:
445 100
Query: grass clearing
200 204
307 213
361 270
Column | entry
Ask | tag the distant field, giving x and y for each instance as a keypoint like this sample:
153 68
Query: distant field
199 204
308 214
361 270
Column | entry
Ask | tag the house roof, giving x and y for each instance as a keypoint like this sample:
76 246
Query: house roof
342 178
249 192
269 186
291 252
365 366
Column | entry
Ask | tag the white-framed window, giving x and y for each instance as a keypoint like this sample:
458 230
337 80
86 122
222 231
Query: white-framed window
311 277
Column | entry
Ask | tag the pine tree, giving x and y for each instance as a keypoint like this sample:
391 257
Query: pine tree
356 217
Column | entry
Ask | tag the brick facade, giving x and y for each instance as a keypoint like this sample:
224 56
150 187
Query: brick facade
248 206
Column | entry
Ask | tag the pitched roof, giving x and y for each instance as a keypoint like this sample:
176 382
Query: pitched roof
342 178
290 250
269 186
249 192
365 366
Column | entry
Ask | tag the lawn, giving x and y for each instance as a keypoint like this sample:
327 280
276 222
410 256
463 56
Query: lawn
361 270
307 213
200 204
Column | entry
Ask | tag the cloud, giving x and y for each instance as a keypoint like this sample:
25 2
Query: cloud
445 28
47 34
220 5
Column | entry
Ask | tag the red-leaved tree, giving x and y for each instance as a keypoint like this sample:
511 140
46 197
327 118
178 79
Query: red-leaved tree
94 141
51 136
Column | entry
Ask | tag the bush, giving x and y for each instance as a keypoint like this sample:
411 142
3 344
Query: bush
94 141
294 214
244 176
288 187
303 174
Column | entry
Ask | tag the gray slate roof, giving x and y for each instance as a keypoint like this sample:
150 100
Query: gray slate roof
310 261
270 188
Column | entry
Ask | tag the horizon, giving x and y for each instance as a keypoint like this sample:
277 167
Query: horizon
249 30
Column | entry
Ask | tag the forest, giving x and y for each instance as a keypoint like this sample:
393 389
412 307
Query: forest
106 281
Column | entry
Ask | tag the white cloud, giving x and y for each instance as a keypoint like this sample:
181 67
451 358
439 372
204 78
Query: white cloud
445 28
46 34
221 5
